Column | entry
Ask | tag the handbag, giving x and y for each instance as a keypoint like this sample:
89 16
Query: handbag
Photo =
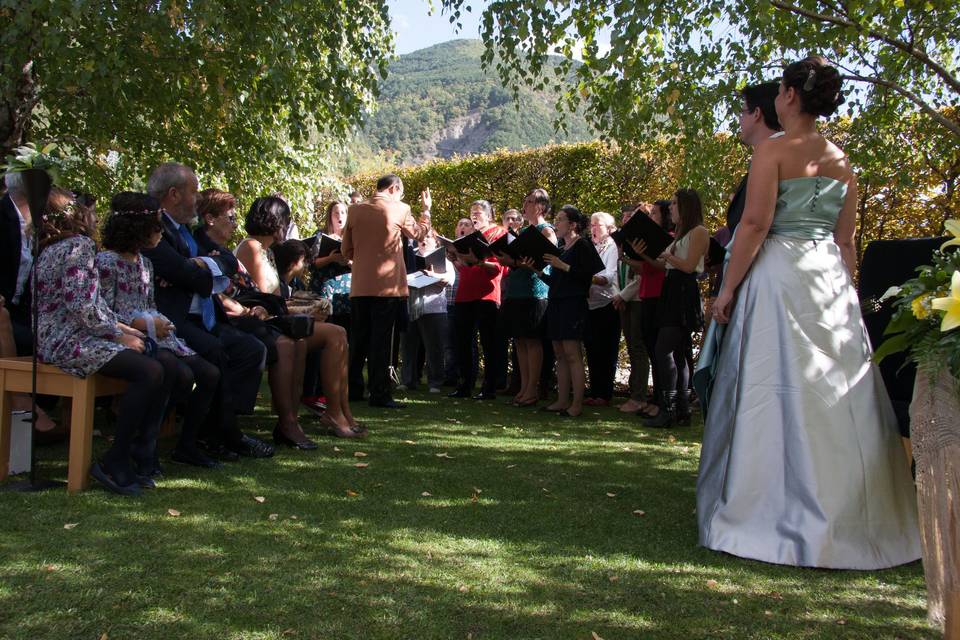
295 325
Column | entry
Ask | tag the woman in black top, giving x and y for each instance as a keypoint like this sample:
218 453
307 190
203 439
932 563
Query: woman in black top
570 276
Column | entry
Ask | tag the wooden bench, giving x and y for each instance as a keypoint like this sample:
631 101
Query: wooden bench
16 377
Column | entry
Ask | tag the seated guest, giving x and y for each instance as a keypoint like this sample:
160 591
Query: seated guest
80 334
601 338
680 310
185 276
16 247
126 286
427 324
569 277
478 298
328 341
525 303
264 224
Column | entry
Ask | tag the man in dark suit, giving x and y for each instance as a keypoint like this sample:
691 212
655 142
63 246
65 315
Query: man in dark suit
758 122
187 277
16 260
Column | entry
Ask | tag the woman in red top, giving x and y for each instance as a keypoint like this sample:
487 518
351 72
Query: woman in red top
651 279
476 303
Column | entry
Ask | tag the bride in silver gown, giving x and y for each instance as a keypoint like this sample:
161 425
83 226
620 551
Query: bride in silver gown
801 462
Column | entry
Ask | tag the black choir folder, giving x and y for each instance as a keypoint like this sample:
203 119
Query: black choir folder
475 242
534 245
323 245
436 260
641 227
505 245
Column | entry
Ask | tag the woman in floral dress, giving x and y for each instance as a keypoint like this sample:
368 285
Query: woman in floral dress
79 333
126 284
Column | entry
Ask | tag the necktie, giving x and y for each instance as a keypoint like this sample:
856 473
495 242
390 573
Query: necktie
207 313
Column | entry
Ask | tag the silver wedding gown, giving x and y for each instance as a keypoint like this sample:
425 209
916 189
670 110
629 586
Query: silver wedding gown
801 461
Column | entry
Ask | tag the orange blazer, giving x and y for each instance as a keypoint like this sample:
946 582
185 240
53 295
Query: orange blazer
373 239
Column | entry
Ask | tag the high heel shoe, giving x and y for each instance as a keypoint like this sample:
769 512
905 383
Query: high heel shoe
306 444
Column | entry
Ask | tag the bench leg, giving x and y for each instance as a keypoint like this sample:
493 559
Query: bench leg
81 435
6 404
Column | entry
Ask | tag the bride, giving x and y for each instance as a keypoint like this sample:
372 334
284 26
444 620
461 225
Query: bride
801 462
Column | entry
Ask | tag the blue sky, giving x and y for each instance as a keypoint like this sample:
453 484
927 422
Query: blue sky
416 29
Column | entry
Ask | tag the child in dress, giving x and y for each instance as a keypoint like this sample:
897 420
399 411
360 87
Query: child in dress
126 280
79 333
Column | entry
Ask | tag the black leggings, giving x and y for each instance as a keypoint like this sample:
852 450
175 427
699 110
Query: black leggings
650 328
672 346
140 410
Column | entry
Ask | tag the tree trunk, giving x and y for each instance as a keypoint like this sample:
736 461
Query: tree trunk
16 109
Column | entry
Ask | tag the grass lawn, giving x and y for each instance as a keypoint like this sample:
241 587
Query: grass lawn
469 520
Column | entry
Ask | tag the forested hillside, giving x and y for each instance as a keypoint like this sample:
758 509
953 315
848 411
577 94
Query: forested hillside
438 102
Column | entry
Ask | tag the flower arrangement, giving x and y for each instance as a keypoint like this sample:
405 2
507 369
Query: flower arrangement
926 317
28 156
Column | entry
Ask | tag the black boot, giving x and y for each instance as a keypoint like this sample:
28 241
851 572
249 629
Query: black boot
682 411
665 417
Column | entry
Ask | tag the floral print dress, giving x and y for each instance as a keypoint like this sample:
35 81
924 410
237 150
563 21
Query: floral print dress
127 288
76 330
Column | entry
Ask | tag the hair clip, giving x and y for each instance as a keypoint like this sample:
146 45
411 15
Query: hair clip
811 76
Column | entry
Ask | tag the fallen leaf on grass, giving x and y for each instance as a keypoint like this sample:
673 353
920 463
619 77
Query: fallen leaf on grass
776 595
260 499
70 525
555 434
352 494
444 455
50 568
639 512
475 490
768 613
104 636
359 454
409 442
294 518
594 636
273 516
173 513
671 439
611 495
361 465
426 494
336 449
511 466
463 588
712 584
841 622
613 578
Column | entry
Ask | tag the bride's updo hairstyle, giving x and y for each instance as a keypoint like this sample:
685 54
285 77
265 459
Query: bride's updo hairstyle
818 84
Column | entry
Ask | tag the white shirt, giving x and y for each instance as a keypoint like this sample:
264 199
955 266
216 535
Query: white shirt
26 257
602 295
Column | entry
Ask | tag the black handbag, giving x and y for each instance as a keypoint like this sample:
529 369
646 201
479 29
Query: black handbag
294 325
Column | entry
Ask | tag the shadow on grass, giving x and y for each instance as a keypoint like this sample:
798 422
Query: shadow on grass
528 531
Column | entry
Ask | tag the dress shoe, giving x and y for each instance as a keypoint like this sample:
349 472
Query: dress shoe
250 447
306 444
217 450
388 404
195 458
101 475
459 393
485 395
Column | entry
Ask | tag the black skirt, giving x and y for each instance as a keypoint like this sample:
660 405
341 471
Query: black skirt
566 318
680 304
523 317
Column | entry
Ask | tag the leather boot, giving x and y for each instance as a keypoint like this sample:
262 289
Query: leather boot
665 418
682 410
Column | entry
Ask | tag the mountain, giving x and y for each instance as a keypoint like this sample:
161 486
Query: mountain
437 102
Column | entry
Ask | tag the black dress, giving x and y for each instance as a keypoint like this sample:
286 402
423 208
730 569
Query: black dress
567 301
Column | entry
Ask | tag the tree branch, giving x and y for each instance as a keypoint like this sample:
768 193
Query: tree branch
913 52
953 127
